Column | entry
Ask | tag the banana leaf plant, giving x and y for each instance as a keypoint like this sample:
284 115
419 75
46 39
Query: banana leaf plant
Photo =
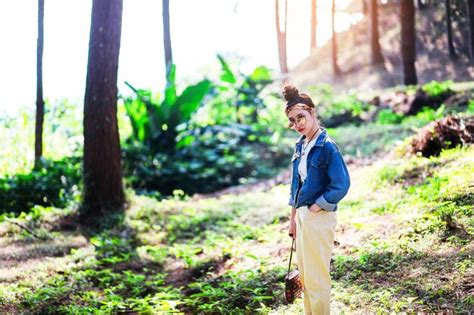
155 120
242 91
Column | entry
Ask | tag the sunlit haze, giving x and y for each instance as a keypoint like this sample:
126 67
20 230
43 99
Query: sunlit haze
241 29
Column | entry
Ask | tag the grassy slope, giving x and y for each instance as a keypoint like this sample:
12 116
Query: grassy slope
405 243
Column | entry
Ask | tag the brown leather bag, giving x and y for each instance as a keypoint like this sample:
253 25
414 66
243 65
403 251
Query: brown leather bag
293 287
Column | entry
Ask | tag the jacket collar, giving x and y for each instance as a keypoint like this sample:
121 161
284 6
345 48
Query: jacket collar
319 141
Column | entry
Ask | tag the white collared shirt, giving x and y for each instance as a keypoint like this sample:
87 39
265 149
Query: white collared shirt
302 167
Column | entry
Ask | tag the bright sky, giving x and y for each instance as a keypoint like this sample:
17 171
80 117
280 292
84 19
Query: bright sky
199 30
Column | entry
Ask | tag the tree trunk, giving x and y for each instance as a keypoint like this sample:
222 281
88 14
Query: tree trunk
103 190
408 41
470 14
449 29
167 35
314 24
335 67
281 37
376 53
39 86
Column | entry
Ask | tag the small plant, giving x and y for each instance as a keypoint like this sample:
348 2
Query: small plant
436 89
155 121
388 117
54 183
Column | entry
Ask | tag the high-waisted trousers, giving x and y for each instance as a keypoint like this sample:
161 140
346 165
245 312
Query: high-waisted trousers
314 247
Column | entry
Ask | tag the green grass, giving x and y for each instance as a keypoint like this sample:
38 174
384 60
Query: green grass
369 140
405 232
425 205
405 239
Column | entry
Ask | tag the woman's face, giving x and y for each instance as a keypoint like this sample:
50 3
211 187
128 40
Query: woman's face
301 121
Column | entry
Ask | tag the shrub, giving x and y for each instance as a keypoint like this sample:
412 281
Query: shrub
437 89
54 183
388 117
337 110
207 159
154 120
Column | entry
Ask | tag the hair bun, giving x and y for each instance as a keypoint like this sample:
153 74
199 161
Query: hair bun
290 92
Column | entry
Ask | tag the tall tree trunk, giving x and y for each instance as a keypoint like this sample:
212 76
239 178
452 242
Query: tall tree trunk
314 24
281 37
39 86
335 67
470 14
103 190
167 35
449 29
376 53
408 41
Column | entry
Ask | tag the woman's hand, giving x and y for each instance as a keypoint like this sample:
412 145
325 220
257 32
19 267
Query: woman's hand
315 208
292 229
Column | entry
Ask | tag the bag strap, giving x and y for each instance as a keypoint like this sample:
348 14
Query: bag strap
291 256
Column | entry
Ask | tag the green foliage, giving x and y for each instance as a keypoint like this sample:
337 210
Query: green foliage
62 136
224 255
470 107
245 291
425 116
54 183
155 121
337 110
236 97
349 268
209 150
388 117
436 89
208 158
368 140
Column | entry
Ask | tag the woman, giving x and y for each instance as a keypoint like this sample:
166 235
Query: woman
319 181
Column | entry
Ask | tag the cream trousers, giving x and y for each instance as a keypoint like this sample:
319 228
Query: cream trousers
314 247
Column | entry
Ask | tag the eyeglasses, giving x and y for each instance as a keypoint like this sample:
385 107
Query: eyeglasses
300 120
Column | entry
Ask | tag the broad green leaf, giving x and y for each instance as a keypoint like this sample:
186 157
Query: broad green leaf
190 100
186 141
261 73
170 90
227 74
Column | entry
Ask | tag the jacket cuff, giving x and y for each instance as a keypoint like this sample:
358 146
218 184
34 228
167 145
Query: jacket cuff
322 202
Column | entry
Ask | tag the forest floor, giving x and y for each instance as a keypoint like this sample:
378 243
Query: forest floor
404 243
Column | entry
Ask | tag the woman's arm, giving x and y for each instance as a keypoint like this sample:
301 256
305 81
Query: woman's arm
292 228
339 182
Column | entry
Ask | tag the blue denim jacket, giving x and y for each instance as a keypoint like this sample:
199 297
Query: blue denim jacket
327 181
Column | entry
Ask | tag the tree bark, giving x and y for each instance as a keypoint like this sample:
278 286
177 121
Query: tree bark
314 24
449 29
102 173
470 14
167 35
408 41
281 37
375 50
39 86
335 67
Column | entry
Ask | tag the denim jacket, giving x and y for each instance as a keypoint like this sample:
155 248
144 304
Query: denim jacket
327 181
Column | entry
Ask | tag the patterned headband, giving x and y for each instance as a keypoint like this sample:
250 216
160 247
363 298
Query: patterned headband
297 106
